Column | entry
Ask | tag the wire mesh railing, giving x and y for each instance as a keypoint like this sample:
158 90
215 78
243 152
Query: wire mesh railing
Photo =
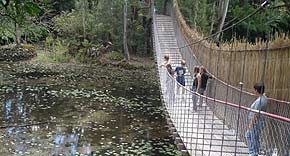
216 128
220 125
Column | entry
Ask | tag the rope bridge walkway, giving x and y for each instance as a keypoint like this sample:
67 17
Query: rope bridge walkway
218 127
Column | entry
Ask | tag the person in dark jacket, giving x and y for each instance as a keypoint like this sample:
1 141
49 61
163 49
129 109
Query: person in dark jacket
170 70
195 86
180 71
203 83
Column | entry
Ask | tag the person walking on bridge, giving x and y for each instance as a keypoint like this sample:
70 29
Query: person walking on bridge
170 84
166 61
203 83
256 120
170 70
166 64
195 86
180 71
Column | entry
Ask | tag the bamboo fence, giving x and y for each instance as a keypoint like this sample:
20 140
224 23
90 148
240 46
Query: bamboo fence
247 63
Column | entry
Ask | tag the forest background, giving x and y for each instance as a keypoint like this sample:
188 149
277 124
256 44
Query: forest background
87 28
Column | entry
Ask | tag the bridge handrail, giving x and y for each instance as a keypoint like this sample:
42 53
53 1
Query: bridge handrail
274 116
276 129
249 93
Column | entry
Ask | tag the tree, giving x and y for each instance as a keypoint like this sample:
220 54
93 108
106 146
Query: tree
84 6
125 42
209 16
223 10
19 12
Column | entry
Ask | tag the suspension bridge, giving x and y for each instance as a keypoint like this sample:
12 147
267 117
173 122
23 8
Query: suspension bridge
218 126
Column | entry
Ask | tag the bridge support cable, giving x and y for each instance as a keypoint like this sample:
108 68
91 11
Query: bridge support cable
241 90
212 107
288 81
226 99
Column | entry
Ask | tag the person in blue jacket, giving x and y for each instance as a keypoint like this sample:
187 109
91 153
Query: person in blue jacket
180 71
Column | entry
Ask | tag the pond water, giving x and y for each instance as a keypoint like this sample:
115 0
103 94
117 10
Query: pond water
75 111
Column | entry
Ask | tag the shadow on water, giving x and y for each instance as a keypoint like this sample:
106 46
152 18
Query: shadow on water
60 120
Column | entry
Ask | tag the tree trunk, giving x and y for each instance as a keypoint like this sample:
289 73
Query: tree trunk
192 14
195 13
147 36
125 42
17 33
223 11
84 19
212 18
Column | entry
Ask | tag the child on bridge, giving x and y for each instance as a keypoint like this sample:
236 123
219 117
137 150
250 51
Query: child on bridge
256 120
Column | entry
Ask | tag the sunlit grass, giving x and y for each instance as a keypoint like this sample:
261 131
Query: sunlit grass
57 54
54 57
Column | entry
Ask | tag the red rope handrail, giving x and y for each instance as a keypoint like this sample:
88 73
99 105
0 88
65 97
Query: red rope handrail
274 116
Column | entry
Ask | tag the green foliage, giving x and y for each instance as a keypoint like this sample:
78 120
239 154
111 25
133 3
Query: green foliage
95 25
138 26
59 54
159 6
19 11
6 31
29 33
267 22
69 24
115 56
98 27
197 13
62 5
54 57
82 26
31 8
34 33
22 13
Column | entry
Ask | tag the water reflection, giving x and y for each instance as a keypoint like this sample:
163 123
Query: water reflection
28 139
68 143
81 125
20 105
15 106
15 114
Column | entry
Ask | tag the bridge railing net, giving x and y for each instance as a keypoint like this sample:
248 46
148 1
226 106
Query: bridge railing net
215 124
225 92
